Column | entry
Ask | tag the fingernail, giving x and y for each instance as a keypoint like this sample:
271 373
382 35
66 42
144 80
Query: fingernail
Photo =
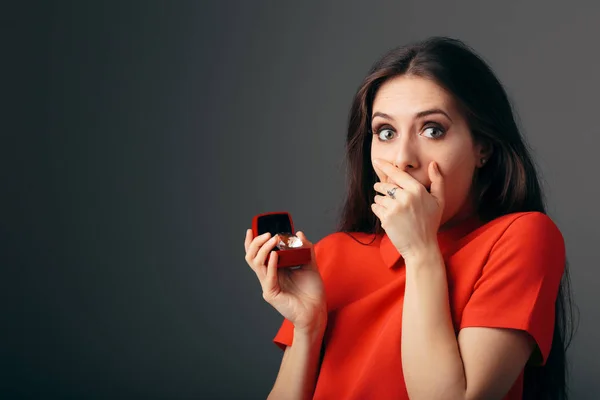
376 161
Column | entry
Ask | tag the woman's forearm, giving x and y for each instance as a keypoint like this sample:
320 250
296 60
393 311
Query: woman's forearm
298 373
431 360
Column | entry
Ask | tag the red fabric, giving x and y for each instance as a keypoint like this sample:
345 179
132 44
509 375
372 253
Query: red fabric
502 274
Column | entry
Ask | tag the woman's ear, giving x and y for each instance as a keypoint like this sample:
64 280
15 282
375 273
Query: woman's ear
483 151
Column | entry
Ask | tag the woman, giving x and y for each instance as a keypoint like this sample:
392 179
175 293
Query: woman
446 278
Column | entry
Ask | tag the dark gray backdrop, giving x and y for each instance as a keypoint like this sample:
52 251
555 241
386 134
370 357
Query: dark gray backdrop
143 136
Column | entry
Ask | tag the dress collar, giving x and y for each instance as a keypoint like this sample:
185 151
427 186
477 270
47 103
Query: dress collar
446 237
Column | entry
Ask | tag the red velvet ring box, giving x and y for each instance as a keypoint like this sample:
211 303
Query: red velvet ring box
281 223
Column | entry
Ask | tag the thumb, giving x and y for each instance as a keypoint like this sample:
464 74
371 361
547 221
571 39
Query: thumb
307 243
437 182
302 237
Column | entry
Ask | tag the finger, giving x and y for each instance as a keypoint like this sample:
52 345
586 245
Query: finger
378 210
383 188
255 245
437 181
261 257
384 201
248 239
312 265
303 238
400 177
271 279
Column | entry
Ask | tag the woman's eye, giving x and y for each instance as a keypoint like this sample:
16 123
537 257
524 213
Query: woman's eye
434 132
385 134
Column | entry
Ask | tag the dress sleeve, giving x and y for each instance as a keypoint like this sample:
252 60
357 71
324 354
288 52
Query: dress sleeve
519 283
285 335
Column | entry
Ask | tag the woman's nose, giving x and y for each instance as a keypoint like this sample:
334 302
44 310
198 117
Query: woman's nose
406 157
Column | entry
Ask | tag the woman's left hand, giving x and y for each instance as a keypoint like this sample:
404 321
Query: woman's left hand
412 219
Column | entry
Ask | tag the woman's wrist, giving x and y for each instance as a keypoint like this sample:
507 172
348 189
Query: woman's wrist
315 330
309 337
423 256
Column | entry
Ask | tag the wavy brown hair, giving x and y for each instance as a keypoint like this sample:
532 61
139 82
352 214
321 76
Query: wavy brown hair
507 183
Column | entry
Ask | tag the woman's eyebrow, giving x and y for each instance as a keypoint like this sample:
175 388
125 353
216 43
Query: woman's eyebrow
420 114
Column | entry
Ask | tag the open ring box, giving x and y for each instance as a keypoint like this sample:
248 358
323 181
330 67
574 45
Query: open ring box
290 250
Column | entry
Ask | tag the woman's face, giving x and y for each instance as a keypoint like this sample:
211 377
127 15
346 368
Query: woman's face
414 122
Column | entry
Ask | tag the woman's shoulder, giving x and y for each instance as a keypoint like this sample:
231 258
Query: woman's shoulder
526 222
521 233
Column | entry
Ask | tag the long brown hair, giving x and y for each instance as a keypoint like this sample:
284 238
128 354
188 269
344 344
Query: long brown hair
508 183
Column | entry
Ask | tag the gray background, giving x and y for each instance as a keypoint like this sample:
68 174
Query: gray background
141 138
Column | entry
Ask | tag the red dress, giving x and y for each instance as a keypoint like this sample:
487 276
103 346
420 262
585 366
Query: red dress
503 274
